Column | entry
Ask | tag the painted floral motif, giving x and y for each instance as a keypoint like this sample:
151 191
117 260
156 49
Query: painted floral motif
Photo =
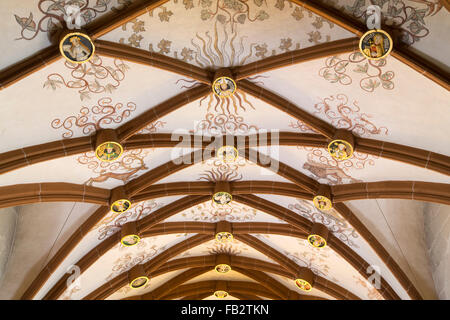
341 114
112 222
54 11
137 27
407 21
232 12
97 117
223 46
90 78
129 260
312 258
221 172
124 169
335 71
211 213
332 220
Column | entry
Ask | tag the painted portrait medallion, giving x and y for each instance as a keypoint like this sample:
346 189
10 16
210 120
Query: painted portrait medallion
130 240
340 149
322 203
109 151
227 154
224 87
303 285
223 268
224 237
138 282
120 206
221 294
77 47
222 198
317 241
375 44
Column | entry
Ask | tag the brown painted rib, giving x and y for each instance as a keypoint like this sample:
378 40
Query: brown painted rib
207 188
21 194
114 20
20 158
240 296
23 69
446 4
242 287
152 59
50 192
303 181
135 125
300 223
175 282
284 105
417 157
405 55
266 281
202 296
296 56
23 157
410 190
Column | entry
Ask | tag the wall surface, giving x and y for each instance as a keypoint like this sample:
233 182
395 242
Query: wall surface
8 221
437 236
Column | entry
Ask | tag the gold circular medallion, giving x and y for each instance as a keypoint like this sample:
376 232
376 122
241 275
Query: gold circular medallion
130 240
139 282
227 154
224 87
221 294
222 198
223 237
108 151
340 149
222 268
375 44
317 241
120 206
77 47
303 285
322 203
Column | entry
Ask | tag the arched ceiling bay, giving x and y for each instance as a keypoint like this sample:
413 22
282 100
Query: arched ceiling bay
298 72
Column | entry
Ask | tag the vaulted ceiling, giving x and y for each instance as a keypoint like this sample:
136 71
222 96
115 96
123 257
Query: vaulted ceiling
299 76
